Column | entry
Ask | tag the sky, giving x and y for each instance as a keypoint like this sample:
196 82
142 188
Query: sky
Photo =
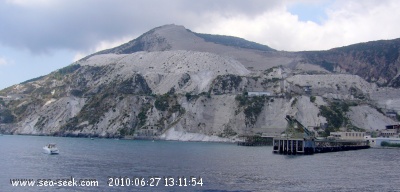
41 36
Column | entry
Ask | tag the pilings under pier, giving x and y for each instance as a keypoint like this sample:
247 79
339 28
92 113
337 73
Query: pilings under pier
293 146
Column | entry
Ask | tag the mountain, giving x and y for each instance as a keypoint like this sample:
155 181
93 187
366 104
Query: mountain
169 37
172 83
173 37
376 61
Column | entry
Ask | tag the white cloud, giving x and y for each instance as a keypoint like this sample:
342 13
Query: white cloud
30 3
348 22
3 61
69 24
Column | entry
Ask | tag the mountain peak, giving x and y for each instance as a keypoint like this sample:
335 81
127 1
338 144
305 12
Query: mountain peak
169 27
177 37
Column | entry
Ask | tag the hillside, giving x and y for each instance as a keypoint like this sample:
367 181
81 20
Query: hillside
172 37
172 83
377 62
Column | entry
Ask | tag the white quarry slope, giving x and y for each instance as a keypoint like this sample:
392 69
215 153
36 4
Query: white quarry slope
106 95
56 112
334 86
368 118
206 116
179 134
331 80
310 67
308 112
273 115
387 98
163 70
181 39
216 112
174 37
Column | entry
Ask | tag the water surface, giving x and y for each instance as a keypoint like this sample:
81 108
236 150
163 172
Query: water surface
222 167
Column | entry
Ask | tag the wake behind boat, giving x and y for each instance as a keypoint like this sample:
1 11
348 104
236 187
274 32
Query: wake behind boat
51 149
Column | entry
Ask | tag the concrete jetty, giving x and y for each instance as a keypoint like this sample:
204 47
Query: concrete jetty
293 146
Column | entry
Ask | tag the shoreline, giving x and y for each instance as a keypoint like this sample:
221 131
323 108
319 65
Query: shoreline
138 138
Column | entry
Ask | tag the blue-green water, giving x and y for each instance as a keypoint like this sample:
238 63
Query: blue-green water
222 167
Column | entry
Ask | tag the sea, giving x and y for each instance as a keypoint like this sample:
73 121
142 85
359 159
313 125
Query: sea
145 165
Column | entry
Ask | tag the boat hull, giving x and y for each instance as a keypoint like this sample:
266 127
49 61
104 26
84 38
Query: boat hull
50 151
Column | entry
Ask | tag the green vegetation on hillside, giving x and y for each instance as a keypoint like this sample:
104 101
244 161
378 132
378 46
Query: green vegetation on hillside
226 84
161 102
96 107
134 85
142 116
33 79
251 106
335 114
312 99
126 131
68 69
6 116
169 102
41 122
59 74
387 144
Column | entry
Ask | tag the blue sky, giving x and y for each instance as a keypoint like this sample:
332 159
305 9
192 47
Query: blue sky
21 65
40 36
311 11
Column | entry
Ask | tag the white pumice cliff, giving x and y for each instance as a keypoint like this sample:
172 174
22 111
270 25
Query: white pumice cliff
174 84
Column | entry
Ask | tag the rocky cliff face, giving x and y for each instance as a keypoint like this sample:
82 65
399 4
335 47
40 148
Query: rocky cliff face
172 83
376 62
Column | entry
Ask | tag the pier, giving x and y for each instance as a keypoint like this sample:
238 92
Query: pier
293 146
300 140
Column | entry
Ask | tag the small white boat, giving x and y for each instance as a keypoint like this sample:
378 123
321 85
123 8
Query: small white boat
51 149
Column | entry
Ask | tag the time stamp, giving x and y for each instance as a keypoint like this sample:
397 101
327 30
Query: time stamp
154 181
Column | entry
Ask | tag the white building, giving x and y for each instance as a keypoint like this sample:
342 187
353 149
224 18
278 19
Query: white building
376 142
258 93
348 135
389 133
